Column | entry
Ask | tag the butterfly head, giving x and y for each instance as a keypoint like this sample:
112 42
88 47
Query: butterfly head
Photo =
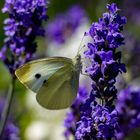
78 58
77 62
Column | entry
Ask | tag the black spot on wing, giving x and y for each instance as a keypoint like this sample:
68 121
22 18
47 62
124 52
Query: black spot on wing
37 76
44 81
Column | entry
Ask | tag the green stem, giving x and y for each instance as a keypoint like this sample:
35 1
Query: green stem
7 107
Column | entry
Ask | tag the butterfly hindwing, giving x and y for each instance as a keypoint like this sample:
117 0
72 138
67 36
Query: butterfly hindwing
60 90
33 74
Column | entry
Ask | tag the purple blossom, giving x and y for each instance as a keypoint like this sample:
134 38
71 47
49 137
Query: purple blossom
128 107
21 29
64 25
100 124
112 8
84 128
11 132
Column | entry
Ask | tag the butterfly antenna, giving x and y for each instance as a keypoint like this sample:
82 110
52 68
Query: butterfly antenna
80 48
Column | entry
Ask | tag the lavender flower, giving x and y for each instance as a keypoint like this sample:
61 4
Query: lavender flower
101 124
98 117
105 61
21 29
11 132
128 107
64 25
73 114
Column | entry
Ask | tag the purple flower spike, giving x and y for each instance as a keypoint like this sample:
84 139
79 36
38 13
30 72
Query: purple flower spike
21 29
99 120
107 37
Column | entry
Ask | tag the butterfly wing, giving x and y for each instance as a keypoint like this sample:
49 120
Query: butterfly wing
59 91
34 73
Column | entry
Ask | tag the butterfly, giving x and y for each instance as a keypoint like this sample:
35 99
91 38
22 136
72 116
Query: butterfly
55 80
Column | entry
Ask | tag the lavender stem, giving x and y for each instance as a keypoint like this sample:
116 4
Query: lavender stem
7 107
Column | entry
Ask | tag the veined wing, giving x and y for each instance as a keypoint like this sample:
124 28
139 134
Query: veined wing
60 90
34 73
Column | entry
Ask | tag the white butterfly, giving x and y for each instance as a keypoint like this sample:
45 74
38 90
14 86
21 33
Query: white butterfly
55 80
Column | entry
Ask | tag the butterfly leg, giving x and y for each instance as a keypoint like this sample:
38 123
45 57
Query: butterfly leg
84 73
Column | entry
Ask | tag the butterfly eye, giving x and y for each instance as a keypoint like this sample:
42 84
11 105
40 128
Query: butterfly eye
78 57
37 76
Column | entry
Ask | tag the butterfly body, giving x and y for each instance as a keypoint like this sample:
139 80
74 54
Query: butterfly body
54 80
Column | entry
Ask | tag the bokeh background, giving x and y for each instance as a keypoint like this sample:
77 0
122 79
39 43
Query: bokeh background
37 123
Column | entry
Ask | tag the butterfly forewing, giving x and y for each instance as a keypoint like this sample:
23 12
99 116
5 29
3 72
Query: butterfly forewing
55 80
35 73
